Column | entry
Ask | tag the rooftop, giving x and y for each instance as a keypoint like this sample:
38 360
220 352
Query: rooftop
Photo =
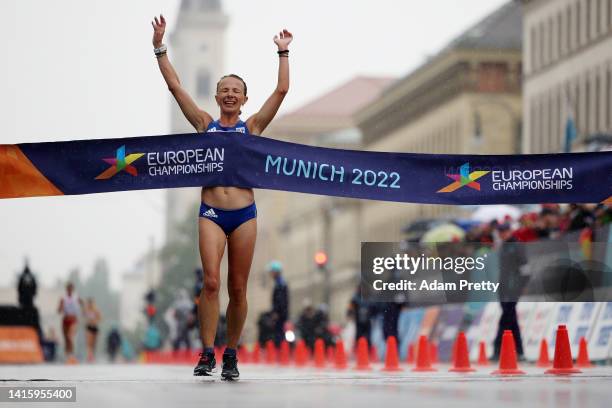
344 100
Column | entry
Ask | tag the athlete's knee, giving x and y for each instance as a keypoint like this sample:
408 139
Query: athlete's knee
237 291
211 287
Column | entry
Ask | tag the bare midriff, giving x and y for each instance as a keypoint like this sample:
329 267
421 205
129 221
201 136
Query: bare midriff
228 198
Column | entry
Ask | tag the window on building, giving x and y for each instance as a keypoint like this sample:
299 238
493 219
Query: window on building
577 100
551 41
597 18
534 49
578 25
558 119
559 34
609 15
552 113
492 77
540 116
552 144
609 98
588 22
588 106
533 129
542 45
597 101
203 84
569 31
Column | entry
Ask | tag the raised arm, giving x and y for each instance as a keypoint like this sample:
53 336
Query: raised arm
259 121
196 116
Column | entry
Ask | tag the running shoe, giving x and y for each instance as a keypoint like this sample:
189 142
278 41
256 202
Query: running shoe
230 367
206 365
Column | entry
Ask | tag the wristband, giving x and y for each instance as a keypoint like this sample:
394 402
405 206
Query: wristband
283 52
161 50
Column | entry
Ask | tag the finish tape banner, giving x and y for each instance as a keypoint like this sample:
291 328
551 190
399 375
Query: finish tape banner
233 159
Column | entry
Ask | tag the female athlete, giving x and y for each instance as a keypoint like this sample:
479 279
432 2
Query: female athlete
227 214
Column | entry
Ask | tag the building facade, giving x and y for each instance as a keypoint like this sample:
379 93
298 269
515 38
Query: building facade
567 72
466 99
295 226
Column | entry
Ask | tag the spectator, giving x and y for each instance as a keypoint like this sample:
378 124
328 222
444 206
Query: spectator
280 301
321 328
512 258
152 338
361 311
113 343
26 288
26 291
579 217
307 324
266 324
527 230
93 317
49 345
602 214
184 319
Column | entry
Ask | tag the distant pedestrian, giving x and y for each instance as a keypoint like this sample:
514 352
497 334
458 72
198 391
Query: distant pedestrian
26 288
280 301
93 317
113 343
70 307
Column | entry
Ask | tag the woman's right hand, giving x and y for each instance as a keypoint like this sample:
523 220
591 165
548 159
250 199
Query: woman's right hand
159 28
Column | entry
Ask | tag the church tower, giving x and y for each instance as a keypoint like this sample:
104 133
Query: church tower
196 49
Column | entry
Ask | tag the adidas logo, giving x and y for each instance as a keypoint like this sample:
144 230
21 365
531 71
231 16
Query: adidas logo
211 213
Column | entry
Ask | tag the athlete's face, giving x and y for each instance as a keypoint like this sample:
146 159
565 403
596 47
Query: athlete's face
230 95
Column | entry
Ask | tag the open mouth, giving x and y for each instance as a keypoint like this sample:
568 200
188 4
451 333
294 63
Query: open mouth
229 102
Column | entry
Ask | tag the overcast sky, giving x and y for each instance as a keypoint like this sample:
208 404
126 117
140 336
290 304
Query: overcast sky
82 69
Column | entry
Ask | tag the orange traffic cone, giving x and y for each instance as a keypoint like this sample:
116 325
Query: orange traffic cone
340 356
285 353
363 361
391 357
482 354
433 353
543 359
270 352
583 355
462 356
410 357
301 357
256 354
319 353
507 360
562 361
423 363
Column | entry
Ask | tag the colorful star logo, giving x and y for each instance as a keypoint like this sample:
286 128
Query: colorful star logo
121 162
464 178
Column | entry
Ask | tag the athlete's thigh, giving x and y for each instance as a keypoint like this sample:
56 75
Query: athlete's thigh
240 249
212 245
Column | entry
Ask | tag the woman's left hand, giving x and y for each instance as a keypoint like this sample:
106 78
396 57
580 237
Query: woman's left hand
283 39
